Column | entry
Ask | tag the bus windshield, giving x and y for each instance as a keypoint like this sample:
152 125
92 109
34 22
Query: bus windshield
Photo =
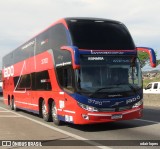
109 74
104 35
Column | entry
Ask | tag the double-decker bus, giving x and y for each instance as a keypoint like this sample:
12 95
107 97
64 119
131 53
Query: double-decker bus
78 70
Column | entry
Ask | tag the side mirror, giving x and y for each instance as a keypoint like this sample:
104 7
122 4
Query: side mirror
74 55
151 54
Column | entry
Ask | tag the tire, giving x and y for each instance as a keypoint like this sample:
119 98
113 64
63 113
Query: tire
54 114
46 115
12 104
15 107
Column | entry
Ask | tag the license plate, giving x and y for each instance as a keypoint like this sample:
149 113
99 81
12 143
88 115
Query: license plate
116 116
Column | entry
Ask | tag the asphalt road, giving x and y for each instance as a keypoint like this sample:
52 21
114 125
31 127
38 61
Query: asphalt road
124 134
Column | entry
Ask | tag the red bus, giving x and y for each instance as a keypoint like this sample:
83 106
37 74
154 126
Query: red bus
78 70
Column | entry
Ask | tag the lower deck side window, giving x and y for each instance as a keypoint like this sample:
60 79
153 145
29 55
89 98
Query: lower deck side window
33 81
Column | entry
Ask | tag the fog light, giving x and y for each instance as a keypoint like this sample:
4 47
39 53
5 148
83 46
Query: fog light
86 117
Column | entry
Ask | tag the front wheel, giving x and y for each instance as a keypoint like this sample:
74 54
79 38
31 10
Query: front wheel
54 114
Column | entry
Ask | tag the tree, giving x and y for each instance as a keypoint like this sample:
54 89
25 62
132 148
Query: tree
144 58
158 62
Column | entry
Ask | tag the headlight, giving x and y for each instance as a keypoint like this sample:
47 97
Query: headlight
88 108
137 104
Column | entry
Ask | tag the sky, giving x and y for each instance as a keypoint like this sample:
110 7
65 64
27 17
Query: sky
23 19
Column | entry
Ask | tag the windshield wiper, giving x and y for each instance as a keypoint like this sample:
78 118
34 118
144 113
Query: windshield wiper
102 89
131 87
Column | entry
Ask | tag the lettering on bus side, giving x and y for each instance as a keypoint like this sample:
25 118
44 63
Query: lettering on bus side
105 52
96 102
9 71
28 45
95 58
63 64
44 61
132 99
121 61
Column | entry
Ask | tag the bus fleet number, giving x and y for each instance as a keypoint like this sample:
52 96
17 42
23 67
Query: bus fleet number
44 61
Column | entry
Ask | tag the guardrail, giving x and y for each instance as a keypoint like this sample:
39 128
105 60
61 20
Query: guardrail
151 100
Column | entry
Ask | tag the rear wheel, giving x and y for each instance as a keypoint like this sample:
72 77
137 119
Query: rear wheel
45 114
12 104
54 114
15 107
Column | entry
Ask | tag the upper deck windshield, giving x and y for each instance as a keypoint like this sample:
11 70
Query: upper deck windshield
104 35
108 74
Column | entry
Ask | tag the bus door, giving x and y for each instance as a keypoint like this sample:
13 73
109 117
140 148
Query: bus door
28 93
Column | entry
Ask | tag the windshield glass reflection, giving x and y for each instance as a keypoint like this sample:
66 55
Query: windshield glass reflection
108 74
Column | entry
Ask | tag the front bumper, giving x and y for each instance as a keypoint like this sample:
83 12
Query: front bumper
103 117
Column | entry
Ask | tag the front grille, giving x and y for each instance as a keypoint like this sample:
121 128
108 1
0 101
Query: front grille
117 109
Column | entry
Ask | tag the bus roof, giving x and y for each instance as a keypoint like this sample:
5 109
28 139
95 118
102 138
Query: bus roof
90 19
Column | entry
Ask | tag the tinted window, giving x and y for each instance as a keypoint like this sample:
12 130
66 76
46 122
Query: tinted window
58 36
41 81
8 60
155 86
53 38
34 81
108 74
100 35
65 77
23 82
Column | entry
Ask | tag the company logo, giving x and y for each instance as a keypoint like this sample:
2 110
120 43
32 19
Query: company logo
63 64
95 58
132 99
28 44
9 71
44 42
117 103
116 95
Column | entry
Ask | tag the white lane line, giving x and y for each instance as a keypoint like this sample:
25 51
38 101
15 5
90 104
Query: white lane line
148 121
7 111
4 111
65 132
10 116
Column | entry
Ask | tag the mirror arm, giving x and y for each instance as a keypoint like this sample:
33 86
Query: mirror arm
74 55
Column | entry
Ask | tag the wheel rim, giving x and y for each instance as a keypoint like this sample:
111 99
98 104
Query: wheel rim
11 103
44 110
54 112
14 105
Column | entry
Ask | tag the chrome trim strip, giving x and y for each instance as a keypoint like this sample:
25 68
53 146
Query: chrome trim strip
27 103
69 111
92 114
